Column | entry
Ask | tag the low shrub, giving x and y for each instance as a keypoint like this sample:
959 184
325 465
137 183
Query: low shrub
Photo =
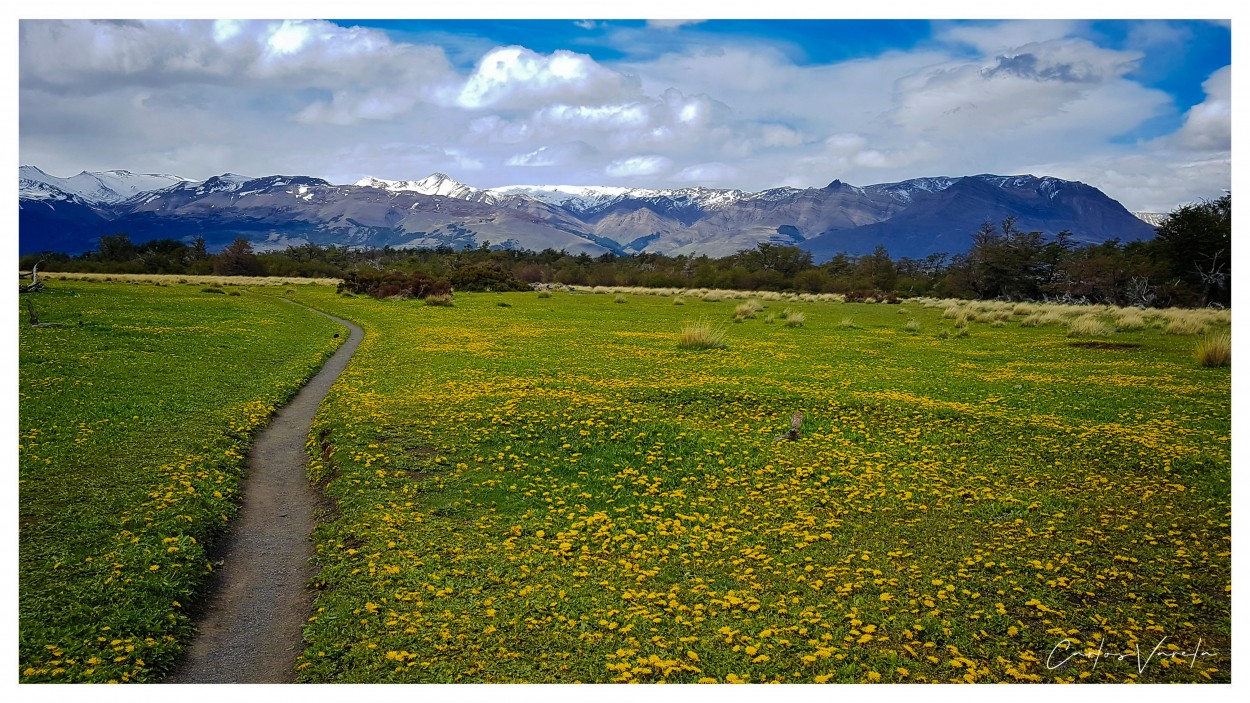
486 276
389 284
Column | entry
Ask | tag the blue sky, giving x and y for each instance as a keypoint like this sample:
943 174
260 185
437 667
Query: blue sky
1139 108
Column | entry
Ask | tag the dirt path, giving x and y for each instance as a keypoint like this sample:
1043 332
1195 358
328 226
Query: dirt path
251 630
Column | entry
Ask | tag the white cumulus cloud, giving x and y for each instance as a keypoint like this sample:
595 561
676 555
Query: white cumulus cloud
649 165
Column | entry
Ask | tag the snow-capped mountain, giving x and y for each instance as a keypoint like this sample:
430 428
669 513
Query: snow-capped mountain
910 218
433 184
1154 219
95 187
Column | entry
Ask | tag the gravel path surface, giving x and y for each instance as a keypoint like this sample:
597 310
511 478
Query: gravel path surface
251 630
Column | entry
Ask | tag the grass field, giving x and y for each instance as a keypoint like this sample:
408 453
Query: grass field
548 489
135 416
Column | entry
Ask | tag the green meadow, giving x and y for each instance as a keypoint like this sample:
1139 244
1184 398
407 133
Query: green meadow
135 416
548 488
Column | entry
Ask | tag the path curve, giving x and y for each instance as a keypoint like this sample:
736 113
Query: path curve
252 628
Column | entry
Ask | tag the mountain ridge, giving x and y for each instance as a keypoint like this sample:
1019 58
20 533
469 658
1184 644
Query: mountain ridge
915 217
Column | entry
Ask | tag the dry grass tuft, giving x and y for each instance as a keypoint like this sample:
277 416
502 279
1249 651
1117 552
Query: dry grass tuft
1088 325
1040 319
1130 319
747 310
912 325
443 301
1216 350
701 335
1186 324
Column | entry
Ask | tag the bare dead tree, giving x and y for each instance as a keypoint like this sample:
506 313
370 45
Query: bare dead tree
1215 275
35 284
1139 292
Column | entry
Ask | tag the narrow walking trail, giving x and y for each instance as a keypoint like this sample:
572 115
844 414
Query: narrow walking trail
251 630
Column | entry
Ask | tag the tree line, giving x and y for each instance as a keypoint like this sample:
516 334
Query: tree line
1188 263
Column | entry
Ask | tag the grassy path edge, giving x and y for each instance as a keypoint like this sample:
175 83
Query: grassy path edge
251 631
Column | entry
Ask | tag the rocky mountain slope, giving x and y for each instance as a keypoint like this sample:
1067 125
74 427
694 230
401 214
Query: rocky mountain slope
910 218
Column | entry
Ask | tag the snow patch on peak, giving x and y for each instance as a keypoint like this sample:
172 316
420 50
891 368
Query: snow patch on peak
433 184
578 198
1152 218
102 186
904 190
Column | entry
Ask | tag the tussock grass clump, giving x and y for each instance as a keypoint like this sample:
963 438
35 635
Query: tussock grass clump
962 330
620 299
847 323
701 335
444 300
1088 325
1185 325
912 325
544 294
1041 319
747 310
953 310
679 301
713 297
1216 350
1130 320
770 318
793 318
